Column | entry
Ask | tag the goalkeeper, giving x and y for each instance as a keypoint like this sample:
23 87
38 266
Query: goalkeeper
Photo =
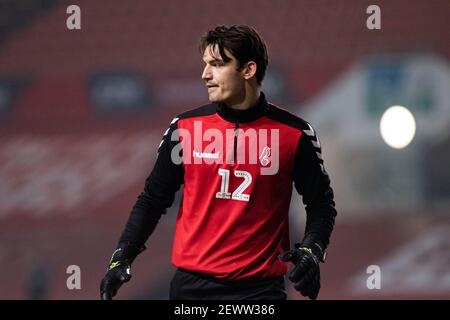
232 231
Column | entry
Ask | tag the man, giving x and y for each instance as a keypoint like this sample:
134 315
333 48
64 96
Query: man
238 159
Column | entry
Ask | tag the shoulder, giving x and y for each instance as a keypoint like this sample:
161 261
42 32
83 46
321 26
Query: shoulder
285 117
205 110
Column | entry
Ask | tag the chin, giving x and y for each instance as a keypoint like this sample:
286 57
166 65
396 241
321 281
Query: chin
213 98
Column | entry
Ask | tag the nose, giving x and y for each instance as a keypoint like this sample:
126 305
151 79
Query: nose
206 75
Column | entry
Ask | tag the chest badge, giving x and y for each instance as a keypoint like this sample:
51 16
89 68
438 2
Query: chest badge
264 157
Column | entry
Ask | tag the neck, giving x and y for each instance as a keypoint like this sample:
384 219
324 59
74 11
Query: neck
248 99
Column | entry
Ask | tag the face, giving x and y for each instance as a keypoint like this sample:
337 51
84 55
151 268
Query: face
224 81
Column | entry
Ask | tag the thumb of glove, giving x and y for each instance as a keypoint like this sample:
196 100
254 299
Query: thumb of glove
106 295
289 256
125 276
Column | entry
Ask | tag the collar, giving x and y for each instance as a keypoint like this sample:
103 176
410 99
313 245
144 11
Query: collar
247 115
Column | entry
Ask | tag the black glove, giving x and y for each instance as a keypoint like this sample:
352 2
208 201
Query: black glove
306 271
119 270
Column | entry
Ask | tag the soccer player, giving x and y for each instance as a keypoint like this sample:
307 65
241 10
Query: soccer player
238 158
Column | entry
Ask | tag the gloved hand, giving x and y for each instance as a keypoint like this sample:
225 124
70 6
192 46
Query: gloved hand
119 270
306 271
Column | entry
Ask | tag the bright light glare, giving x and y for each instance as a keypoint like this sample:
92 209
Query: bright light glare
397 127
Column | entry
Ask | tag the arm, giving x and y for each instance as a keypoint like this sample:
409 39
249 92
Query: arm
313 183
158 195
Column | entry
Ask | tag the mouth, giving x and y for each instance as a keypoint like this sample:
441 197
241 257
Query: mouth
210 86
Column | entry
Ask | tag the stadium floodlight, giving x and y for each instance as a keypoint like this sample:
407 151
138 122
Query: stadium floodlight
397 127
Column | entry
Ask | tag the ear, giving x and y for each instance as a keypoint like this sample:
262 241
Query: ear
249 70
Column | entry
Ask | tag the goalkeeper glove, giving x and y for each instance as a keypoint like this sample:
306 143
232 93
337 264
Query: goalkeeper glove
306 271
119 269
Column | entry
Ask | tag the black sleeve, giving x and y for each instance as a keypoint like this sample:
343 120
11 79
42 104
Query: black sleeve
313 183
159 192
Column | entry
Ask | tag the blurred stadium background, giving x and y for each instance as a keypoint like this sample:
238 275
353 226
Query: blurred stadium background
82 113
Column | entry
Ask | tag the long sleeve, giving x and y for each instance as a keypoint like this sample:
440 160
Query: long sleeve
313 183
159 192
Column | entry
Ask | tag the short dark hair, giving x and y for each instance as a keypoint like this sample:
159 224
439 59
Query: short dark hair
243 42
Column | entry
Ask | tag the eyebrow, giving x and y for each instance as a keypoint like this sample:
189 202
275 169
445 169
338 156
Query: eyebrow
213 60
